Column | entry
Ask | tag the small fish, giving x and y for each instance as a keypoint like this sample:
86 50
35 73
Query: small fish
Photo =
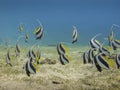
100 62
8 59
94 43
29 67
26 37
38 32
17 49
64 59
117 60
61 48
20 28
74 35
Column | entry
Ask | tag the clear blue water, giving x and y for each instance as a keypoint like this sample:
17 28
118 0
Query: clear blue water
58 16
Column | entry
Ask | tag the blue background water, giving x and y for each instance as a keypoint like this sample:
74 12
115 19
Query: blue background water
58 16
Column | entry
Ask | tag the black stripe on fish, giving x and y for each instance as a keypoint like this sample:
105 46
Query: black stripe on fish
31 65
117 60
8 59
31 54
90 56
96 64
117 42
60 49
26 69
40 36
74 40
75 37
85 57
38 31
113 46
17 50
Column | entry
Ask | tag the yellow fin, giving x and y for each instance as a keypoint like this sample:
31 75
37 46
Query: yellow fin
36 60
110 61
65 48
36 66
109 49
68 57
36 30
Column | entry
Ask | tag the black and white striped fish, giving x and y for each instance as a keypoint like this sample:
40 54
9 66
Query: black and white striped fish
94 43
29 67
61 49
38 32
17 49
63 59
8 59
74 35
100 62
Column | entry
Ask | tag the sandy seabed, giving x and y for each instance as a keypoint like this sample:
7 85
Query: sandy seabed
73 76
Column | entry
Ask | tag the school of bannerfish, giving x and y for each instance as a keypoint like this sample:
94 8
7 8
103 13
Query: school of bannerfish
100 56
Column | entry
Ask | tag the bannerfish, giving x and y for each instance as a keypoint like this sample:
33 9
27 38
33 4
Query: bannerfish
38 32
17 49
29 67
74 35
8 59
20 28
